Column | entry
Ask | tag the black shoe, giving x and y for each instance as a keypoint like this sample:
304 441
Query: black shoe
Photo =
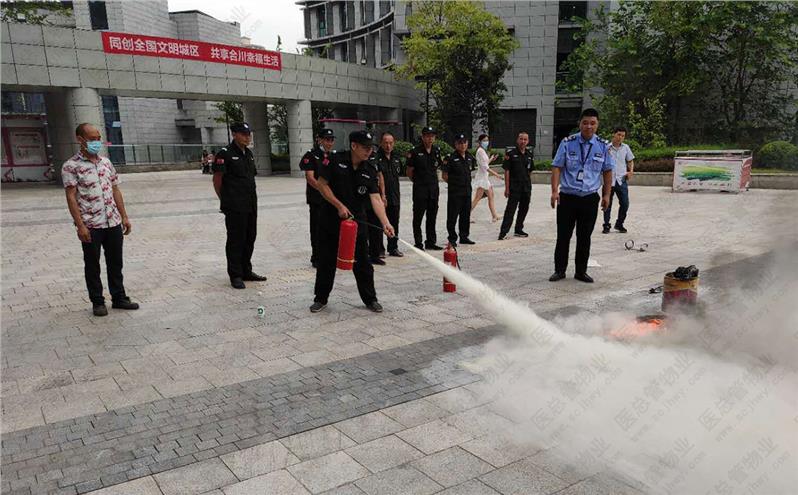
556 276
99 309
467 241
237 283
620 229
502 237
453 243
395 252
375 306
125 303
521 233
254 277
419 246
317 306
382 255
377 261
584 277
606 229
434 247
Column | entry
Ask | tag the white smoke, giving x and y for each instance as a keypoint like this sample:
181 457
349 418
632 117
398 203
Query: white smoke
707 406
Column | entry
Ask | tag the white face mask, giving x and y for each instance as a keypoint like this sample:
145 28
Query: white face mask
484 144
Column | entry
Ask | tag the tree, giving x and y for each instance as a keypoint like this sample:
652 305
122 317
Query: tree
231 112
33 12
277 116
722 70
464 51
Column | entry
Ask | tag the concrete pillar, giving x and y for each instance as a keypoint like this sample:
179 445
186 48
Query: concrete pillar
255 116
300 132
65 111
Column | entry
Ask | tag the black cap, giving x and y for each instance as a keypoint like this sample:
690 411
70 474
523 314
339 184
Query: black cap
240 127
428 130
460 137
325 133
361 137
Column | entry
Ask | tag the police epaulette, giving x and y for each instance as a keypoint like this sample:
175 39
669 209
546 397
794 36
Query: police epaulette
571 137
605 141
223 149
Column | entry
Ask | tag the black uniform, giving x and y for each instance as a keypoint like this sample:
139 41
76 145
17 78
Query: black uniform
311 161
239 202
458 205
374 236
391 168
520 166
425 190
352 188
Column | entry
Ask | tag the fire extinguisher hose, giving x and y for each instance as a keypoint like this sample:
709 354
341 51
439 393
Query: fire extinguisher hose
381 229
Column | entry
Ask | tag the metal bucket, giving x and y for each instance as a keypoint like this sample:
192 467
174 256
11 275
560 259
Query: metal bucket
679 293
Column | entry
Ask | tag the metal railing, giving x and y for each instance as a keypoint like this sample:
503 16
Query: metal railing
140 154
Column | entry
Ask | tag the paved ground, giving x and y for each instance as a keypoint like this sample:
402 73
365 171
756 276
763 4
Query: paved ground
195 392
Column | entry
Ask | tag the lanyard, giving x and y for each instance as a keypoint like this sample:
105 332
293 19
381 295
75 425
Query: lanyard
583 158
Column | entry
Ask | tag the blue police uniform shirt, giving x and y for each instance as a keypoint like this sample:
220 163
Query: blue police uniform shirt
582 159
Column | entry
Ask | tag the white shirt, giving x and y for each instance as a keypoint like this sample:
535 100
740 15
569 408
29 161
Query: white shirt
621 156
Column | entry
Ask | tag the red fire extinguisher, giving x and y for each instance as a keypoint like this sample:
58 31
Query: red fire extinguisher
346 244
450 258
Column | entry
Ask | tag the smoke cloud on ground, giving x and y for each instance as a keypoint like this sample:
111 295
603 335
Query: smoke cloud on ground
708 405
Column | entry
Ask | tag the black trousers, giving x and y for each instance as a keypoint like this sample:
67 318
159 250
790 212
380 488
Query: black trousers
425 202
314 210
392 211
376 247
458 207
328 254
519 200
581 212
242 228
110 240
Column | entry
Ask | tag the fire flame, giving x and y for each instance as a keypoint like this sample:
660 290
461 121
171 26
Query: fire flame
639 328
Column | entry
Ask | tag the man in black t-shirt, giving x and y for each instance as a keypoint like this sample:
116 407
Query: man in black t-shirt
457 169
347 183
311 161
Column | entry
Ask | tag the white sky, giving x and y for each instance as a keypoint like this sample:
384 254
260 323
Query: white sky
260 20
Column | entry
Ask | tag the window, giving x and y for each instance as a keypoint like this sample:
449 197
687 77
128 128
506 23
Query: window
386 45
362 12
113 128
344 52
98 15
308 25
572 9
505 132
385 7
16 102
321 18
369 13
342 7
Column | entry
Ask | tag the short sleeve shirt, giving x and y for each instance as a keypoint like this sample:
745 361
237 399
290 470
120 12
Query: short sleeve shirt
425 166
519 165
458 170
311 161
582 163
390 168
94 183
621 156
238 178
351 186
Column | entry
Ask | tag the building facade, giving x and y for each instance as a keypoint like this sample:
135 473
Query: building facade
150 121
369 32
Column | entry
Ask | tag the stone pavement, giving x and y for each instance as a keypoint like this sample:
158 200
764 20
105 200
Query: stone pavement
194 392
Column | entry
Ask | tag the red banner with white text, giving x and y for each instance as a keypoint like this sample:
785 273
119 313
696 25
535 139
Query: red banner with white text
155 46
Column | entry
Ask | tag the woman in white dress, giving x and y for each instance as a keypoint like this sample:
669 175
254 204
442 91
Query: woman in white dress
481 183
